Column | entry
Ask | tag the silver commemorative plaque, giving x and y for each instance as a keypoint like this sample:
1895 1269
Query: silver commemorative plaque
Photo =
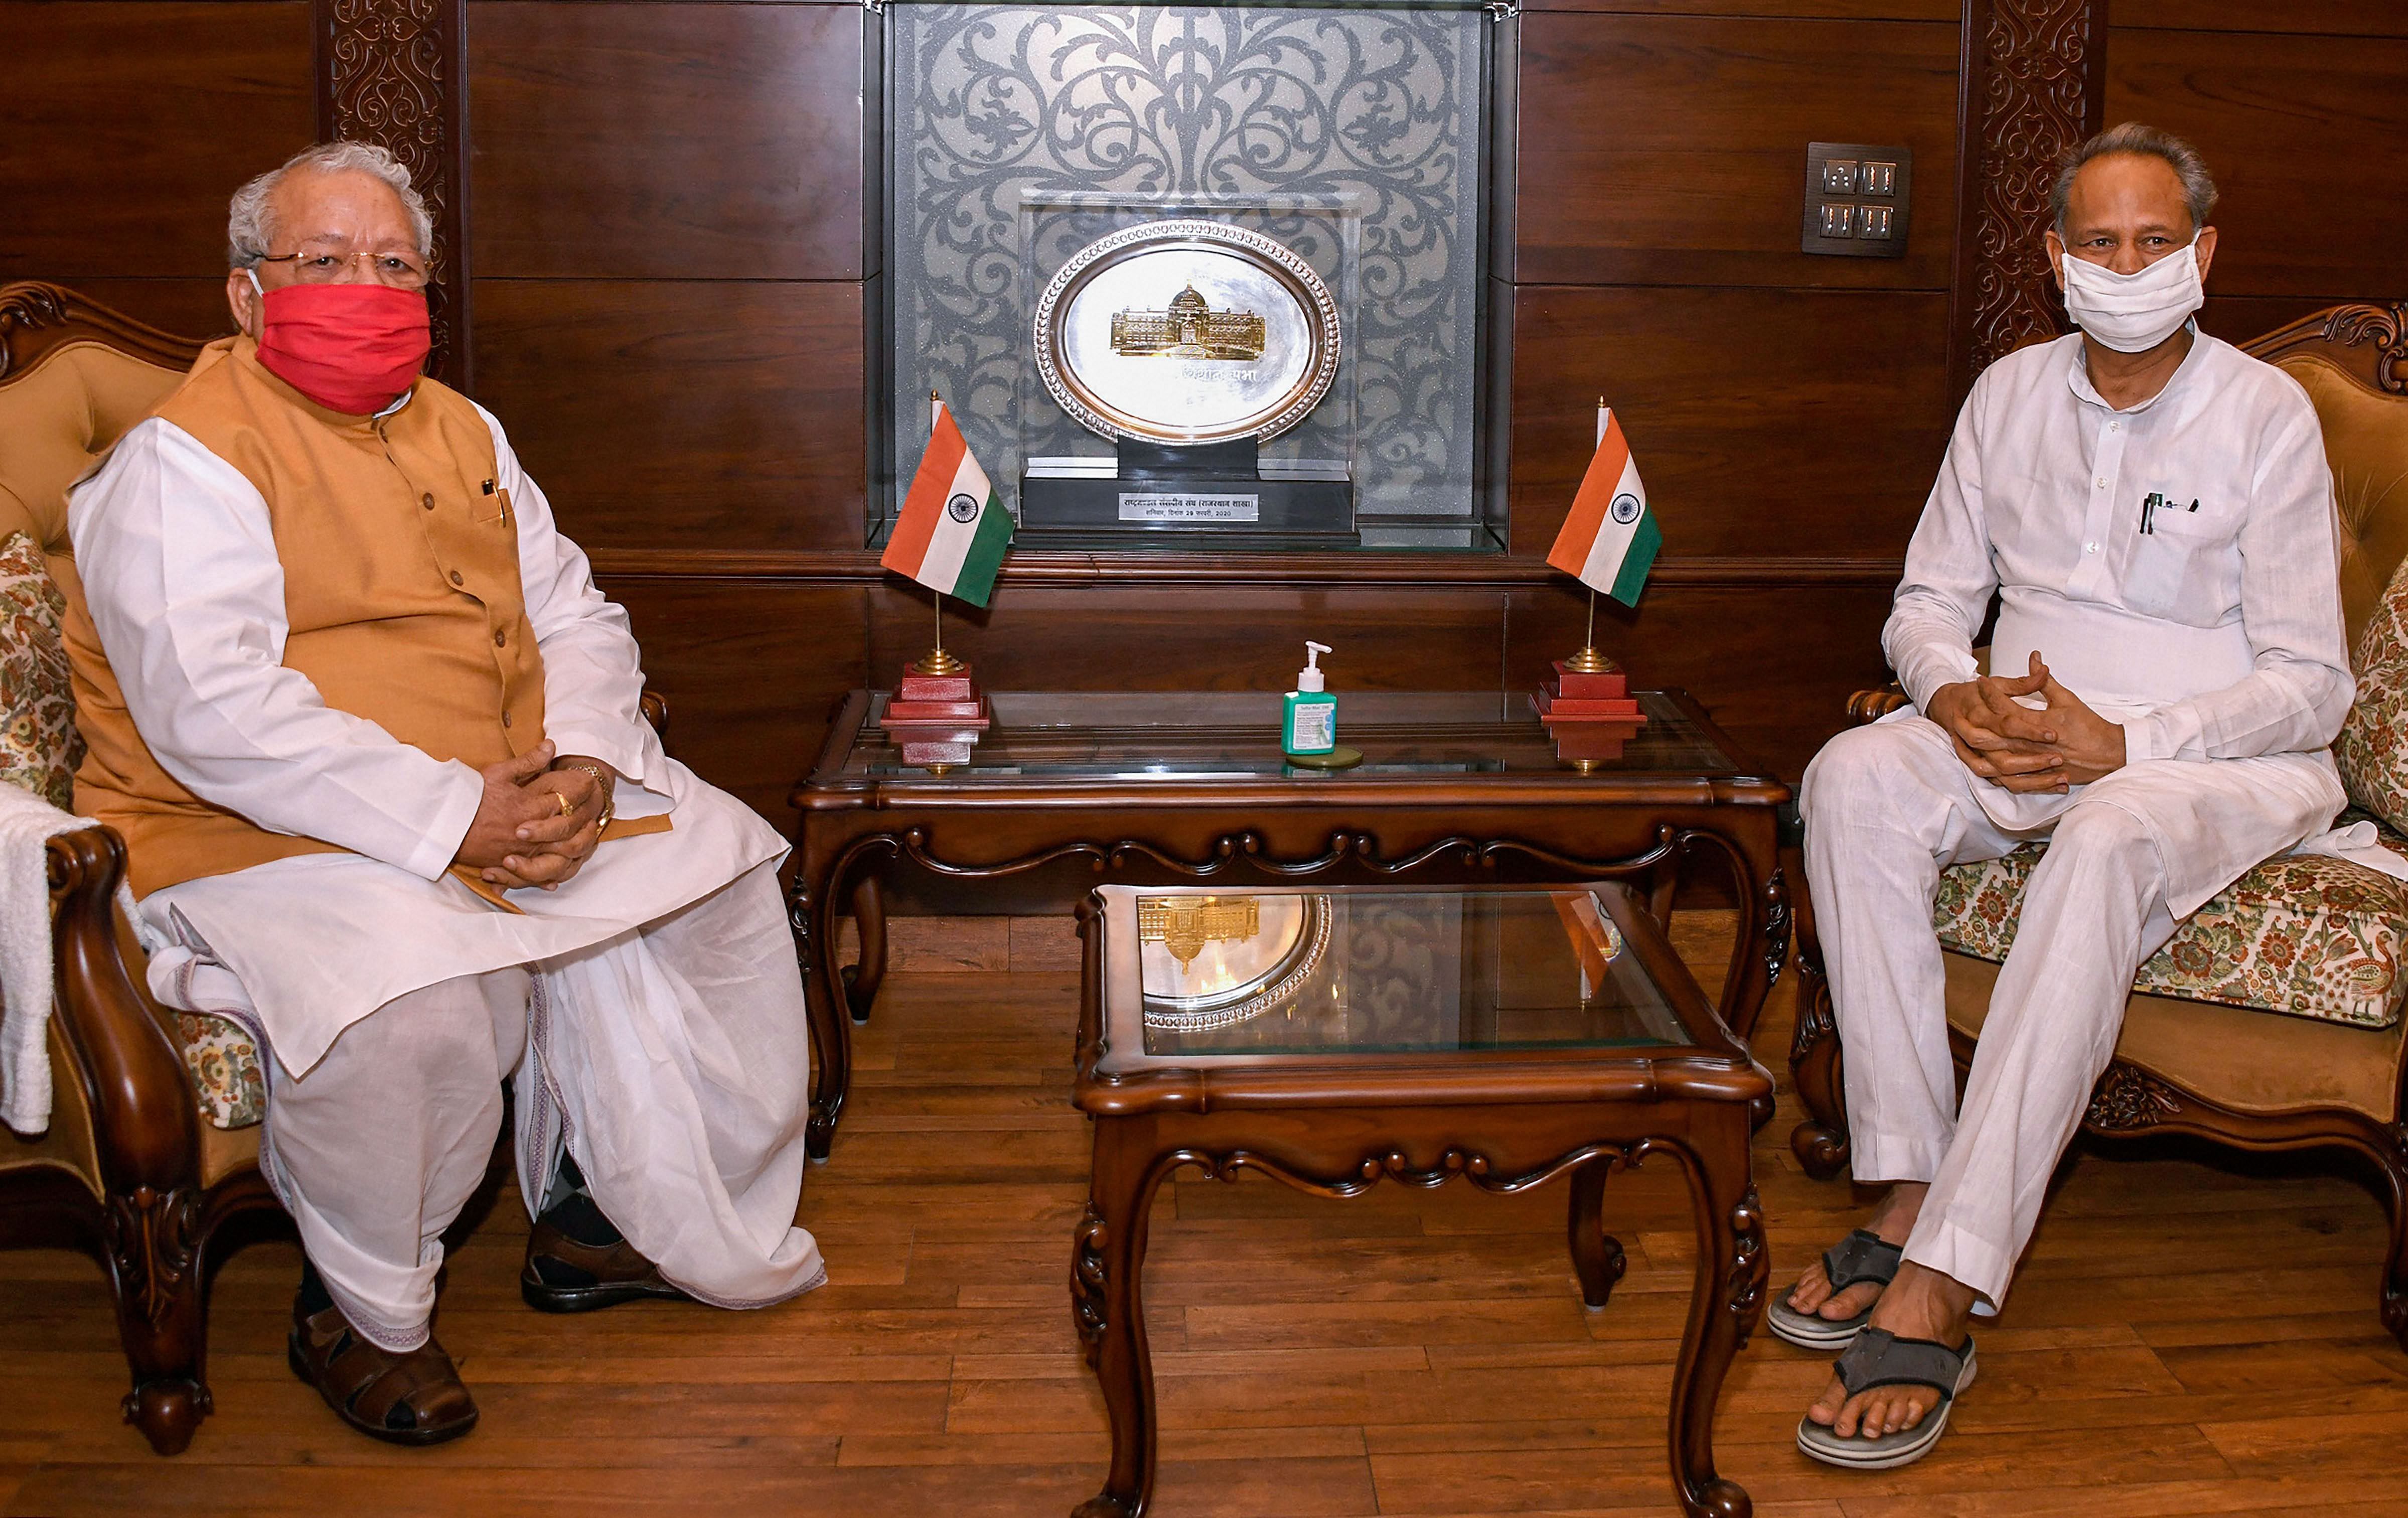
1187 331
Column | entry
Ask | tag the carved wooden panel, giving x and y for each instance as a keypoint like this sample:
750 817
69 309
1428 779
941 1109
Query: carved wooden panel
390 72
2034 87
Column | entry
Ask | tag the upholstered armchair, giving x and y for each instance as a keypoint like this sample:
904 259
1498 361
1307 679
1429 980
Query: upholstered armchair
153 1142
2272 1019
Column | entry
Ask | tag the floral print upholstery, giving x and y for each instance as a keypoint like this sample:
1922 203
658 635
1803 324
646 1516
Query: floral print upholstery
225 1065
2373 749
39 747
2306 935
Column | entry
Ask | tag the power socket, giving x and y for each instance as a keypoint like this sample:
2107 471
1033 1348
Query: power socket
1856 200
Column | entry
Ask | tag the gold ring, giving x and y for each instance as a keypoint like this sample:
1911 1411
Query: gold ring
566 806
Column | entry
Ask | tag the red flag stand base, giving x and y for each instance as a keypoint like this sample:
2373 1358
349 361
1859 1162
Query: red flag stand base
1573 695
943 695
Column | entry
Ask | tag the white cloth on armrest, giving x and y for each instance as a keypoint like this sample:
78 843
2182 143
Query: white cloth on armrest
2357 844
27 823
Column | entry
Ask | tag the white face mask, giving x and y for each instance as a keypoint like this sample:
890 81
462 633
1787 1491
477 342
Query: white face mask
2133 313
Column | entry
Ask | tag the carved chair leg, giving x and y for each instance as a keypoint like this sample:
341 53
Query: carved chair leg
2393 1300
1820 1142
1598 1259
155 1256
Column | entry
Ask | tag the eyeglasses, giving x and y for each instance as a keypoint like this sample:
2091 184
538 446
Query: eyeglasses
325 266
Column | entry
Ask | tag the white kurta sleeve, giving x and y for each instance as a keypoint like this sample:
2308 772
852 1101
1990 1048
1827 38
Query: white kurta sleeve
593 679
179 569
2299 686
1949 578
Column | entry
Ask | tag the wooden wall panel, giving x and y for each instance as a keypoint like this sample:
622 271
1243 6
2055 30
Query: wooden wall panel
1851 10
751 671
705 415
2336 17
1774 664
1764 422
189 307
124 127
666 141
1673 150
1203 637
2304 135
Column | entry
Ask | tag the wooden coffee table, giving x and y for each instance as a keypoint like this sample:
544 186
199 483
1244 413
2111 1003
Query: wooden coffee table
1334 1039
1190 788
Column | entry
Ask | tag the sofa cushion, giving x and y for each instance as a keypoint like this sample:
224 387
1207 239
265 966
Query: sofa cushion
2373 749
2306 935
39 747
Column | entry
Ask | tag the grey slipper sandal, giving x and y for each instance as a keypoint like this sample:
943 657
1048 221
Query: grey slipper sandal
1881 1358
1860 1257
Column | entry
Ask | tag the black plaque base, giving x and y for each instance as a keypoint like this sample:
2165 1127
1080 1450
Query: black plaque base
1211 494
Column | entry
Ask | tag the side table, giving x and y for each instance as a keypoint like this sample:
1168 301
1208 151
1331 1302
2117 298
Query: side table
1333 1038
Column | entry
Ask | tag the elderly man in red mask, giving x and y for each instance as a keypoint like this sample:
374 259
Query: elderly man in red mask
373 738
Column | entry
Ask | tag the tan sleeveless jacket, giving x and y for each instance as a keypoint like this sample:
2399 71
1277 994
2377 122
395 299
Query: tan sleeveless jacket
401 587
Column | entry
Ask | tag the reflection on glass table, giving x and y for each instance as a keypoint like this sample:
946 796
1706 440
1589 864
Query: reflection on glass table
1172 736
1366 971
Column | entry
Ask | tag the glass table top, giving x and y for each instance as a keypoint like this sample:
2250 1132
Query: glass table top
1189 735
1387 970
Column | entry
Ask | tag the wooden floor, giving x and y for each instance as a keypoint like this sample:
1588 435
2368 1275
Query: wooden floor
2185 1339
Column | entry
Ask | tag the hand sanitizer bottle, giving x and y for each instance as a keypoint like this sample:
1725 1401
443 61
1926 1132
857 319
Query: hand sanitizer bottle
1309 724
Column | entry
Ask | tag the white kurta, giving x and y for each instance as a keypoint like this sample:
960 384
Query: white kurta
668 1047
180 568
2215 638
2216 634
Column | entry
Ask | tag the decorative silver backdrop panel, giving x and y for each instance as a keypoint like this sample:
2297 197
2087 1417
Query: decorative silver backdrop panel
991 104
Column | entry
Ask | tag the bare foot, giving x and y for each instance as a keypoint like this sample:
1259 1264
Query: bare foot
1891 1222
1920 1304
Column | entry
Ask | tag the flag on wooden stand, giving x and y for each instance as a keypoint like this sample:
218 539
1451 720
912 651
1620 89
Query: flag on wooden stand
954 529
1610 538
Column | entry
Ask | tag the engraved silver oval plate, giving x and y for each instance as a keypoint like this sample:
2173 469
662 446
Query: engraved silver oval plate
1187 331
1208 961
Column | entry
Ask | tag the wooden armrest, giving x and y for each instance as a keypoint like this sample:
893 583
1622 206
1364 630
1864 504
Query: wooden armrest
143 1110
1869 706
656 712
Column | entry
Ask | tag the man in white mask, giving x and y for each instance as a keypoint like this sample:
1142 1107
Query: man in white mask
2152 509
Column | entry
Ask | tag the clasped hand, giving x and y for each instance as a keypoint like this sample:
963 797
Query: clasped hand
2048 748
538 821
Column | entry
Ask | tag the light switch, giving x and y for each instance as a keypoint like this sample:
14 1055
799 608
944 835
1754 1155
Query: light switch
1857 198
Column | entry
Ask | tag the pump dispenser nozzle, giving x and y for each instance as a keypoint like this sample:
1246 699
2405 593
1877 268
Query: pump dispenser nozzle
1310 678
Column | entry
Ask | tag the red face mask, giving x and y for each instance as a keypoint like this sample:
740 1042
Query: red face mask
350 348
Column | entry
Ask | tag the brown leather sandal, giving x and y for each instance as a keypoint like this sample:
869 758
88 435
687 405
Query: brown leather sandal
563 1276
414 1397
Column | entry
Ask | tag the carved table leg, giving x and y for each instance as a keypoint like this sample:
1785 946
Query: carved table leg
1724 1305
1597 1255
830 1037
869 917
155 1256
1107 1302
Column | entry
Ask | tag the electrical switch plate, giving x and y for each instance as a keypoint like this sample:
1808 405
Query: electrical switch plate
1840 175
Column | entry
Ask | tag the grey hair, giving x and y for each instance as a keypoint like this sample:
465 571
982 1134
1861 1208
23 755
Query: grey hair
248 232
2198 189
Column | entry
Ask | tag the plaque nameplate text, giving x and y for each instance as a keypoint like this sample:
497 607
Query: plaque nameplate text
1154 506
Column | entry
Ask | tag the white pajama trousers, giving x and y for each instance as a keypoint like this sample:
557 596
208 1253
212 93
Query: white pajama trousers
673 1061
1886 808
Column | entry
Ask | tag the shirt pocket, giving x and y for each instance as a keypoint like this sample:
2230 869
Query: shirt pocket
2186 567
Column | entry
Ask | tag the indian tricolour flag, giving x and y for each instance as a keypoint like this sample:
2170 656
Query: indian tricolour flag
1611 538
954 529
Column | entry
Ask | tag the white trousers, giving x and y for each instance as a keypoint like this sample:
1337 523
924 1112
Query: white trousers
1888 807
673 1061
